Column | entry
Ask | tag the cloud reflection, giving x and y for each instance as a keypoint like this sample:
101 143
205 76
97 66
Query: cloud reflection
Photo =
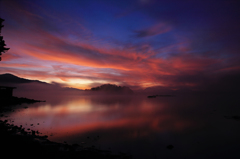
85 114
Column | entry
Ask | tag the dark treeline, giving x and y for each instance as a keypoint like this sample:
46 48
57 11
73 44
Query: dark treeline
3 49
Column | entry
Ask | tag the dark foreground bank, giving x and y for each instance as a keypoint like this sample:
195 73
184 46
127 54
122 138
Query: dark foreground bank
16 142
11 101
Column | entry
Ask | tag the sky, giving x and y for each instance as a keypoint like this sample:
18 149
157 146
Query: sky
139 43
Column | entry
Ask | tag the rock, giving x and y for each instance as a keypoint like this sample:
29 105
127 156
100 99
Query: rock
170 147
33 132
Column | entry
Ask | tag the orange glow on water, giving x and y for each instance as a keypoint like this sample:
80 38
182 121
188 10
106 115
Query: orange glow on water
84 114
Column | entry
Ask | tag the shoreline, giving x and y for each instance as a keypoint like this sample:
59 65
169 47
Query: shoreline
16 141
13 101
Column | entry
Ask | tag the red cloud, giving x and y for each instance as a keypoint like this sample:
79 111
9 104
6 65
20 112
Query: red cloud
138 65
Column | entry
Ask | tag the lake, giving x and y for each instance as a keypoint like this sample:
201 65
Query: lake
198 126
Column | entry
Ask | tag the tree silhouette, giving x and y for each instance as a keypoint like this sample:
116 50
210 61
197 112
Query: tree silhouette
3 49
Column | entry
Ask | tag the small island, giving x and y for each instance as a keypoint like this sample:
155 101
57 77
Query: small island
154 96
111 88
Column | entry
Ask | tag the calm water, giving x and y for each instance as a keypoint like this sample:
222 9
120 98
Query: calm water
197 126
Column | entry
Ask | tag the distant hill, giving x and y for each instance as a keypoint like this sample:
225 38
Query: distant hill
29 86
25 84
111 88
9 78
34 89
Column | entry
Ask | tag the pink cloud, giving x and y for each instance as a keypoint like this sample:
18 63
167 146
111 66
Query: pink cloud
8 56
138 65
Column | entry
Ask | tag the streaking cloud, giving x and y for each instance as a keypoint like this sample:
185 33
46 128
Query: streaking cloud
85 43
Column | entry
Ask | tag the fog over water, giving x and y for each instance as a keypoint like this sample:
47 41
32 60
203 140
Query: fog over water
197 126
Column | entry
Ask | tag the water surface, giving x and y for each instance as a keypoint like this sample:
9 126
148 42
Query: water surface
196 126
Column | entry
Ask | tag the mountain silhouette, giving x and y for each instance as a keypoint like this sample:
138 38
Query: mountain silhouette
15 81
27 85
9 78
111 88
35 89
